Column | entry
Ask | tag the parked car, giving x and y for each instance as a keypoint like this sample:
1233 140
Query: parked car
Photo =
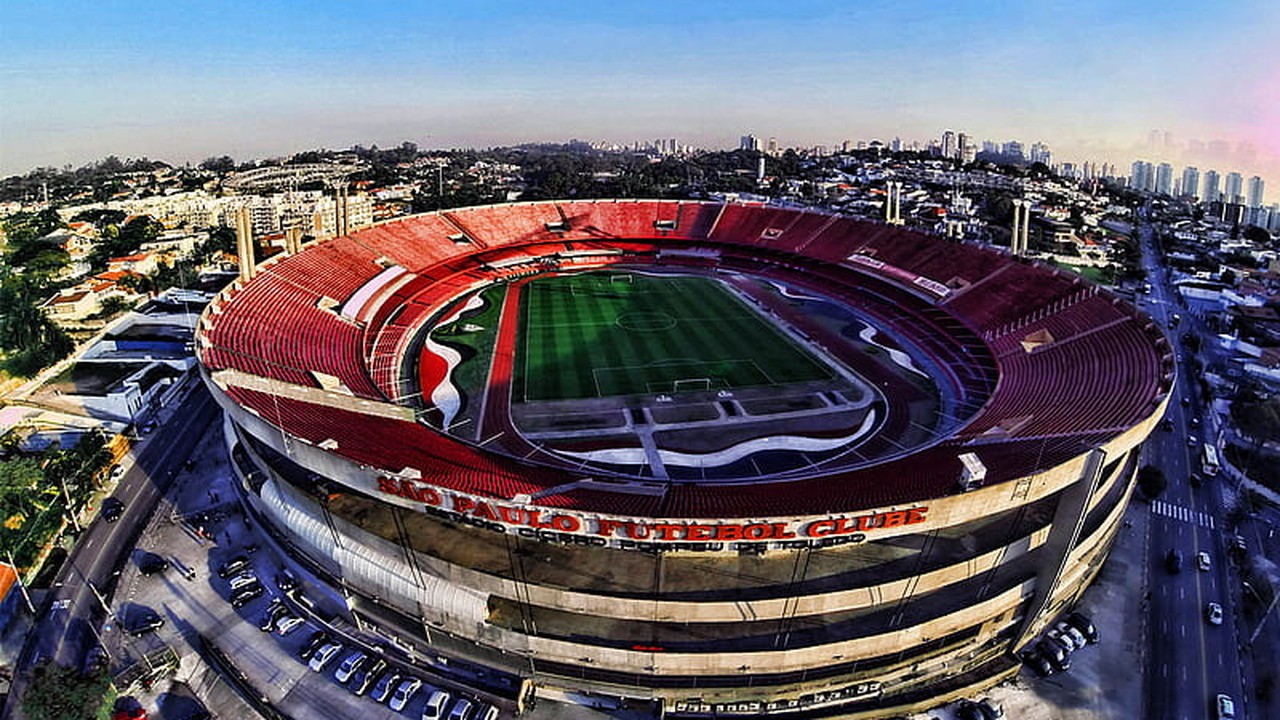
349 666
1054 653
991 710
1081 622
152 564
1038 663
1068 631
288 623
488 713
1173 561
1055 636
367 676
437 702
271 614
1203 562
462 710
286 580
143 623
968 710
314 643
1213 613
242 580
246 595
404 693
112 509
324 655
385 686
234 566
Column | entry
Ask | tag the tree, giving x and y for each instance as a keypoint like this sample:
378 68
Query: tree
58 693
1257 418
1151 481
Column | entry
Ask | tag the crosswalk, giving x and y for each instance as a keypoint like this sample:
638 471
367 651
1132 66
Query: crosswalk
1185 514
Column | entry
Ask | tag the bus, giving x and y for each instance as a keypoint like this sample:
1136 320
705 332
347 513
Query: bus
1209 463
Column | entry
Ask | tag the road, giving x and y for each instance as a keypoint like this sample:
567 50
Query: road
1190 661
75 607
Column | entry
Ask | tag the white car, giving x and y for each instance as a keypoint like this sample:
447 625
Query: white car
242 580
1226 707
1070 633
462 711
349 666
324 655
1213 613
436 703
1203 562
288 624
408 688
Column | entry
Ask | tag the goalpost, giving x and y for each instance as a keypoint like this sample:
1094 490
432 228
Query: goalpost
691 384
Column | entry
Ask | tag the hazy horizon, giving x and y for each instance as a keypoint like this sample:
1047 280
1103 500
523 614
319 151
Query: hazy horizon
183 82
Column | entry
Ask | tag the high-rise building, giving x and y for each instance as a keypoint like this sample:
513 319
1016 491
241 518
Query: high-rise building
1254 199
1210 186
1142 176
968 149
1190 181
749 142
773 146
896 144
1040 153
989 146
1164 179
1233 188
949 148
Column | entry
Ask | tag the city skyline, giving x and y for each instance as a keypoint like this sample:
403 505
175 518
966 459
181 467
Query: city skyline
1090 80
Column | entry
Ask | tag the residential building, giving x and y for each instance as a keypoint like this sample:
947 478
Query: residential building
1254 199
1233 189
1190 181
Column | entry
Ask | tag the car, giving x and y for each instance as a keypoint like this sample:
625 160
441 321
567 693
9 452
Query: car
404 693
288 623
436 704
143 623
1192 441
324 655
991 710
234 566
462 710
1173 561
1167 425
1054 653
242 580
273 612
1213 613
116 472
1195 479
349 666
1038 663
385 685
112 509
96 661
1195 422
367 676
152 564
1055 635
1081 622
1226 707
488 713
1203 562
246 595
1069 632
286 580
314 643
968 710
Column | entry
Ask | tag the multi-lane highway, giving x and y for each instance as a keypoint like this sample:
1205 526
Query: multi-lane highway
1190 660
75 608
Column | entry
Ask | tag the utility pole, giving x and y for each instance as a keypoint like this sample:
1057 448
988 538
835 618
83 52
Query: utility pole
21 585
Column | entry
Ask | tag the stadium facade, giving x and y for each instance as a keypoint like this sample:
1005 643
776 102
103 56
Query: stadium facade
865 541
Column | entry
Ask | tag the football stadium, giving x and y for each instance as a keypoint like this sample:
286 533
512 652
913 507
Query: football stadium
717 459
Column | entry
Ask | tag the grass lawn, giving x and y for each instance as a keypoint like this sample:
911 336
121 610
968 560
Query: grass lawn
607 334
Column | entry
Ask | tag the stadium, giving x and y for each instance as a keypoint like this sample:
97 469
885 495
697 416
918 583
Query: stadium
722 459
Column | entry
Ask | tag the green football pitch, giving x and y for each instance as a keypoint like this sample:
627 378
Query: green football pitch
607 334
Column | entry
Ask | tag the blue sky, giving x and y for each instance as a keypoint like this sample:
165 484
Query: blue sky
185 80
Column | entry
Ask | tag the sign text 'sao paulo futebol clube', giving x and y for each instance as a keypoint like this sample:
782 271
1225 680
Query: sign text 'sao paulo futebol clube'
505 517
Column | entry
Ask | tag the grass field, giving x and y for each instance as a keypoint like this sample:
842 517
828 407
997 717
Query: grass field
607 334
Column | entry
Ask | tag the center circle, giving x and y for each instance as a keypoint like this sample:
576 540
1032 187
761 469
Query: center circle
645 321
